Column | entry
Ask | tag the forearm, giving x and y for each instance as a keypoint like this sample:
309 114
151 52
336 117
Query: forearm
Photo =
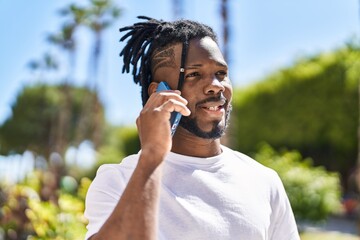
136 214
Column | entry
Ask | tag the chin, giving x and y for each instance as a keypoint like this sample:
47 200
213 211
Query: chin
191 124
217 129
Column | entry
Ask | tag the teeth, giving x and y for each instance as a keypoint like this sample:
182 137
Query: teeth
213 108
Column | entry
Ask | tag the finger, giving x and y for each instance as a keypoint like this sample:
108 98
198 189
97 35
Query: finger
138 124
161 97
173 95
173 105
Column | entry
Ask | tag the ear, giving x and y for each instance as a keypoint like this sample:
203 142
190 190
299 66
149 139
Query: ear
152 87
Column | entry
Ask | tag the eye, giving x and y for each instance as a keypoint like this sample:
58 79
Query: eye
221 74
193 74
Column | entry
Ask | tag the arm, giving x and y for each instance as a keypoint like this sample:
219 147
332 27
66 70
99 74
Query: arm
135 215
283 225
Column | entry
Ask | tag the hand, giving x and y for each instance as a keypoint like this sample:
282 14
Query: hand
153 123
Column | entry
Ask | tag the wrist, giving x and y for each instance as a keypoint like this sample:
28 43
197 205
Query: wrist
153 155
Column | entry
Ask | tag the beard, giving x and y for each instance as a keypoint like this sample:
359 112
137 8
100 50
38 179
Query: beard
217 131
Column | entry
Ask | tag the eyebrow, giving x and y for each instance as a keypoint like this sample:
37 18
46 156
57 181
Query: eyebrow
195 66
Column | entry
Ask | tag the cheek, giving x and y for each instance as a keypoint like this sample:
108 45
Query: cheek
168 75
228 92
191 101
191 105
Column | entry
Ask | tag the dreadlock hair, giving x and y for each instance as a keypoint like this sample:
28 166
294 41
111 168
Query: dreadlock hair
148 36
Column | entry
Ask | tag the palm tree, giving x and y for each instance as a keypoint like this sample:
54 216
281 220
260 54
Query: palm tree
358 157
358 154
177 8
66 41
357 174
225 28
224 12
99 16
65 38
46 64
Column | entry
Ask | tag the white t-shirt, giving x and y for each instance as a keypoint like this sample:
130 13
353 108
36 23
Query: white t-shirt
229 196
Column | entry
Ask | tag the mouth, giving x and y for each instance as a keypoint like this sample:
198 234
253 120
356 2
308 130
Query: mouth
214 106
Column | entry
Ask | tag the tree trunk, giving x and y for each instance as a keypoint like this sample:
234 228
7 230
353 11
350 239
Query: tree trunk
177 8
225 27
225 37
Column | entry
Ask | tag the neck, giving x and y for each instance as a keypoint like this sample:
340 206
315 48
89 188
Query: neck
186 143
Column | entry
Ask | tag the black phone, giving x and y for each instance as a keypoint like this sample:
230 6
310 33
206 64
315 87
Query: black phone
175 116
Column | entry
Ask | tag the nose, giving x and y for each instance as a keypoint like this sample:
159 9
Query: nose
214 87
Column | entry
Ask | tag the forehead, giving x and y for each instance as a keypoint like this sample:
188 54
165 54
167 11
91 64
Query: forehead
204 49
199 48
200 51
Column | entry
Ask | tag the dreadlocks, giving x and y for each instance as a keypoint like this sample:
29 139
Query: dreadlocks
146 38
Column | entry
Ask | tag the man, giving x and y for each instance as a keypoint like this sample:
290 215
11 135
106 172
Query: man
188 186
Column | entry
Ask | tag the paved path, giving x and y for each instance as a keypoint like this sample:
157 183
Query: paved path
333 224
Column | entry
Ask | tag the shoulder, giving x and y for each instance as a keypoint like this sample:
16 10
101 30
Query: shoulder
128 163
249 162
256 171
110 177
105 191
283 221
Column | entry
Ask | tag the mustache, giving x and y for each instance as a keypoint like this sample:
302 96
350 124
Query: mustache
218 98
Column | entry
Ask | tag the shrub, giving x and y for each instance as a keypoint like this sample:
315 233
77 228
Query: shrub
25 215
313 192
311 106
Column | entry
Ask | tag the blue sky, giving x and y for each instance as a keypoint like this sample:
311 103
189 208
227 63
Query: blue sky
266 35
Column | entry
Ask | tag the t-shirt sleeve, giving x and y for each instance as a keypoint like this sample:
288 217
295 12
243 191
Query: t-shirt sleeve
102 197
283 225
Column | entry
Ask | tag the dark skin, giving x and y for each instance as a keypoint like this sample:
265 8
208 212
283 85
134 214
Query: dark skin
136 214
206 75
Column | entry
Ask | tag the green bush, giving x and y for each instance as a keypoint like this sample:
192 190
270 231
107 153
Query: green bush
311 106
25 215
47 116
313 192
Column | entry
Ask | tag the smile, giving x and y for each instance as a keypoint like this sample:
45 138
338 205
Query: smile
213 105
214 108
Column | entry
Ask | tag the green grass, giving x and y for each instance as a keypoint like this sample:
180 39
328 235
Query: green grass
327 236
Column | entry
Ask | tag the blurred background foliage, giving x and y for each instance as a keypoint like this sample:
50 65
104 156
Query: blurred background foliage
54 119
310 106
26 215
314 193
300 120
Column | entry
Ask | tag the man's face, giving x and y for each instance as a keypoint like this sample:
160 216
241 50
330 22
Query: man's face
207 87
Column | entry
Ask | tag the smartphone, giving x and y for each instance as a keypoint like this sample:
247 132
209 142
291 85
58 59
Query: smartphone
175 116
